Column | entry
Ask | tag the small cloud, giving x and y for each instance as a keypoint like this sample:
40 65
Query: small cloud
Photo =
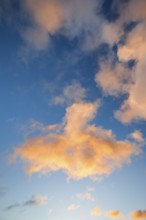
86 195
50 211
139 214
96 211
137 136
114 214
36 200
71 93
73 207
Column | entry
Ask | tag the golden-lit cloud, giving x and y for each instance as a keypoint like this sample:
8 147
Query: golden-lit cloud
114 214
139 214
96 211
81 149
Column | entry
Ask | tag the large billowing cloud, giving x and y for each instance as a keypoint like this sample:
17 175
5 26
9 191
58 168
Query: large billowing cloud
81 149
135 48
117 78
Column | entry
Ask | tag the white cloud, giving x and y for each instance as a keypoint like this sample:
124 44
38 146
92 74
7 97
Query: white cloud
73 207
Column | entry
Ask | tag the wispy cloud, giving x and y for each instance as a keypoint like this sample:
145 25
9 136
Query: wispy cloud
73 207
36 200
86 195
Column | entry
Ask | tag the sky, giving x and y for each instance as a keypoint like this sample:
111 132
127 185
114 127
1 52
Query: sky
73 109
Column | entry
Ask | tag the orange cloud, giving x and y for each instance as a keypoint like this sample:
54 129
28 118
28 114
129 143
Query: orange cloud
139 214
114 214
96 211
81 150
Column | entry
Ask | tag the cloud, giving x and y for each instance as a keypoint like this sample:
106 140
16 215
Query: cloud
134 48
96 211
115 78
86 195
81 149
49 17
139 214
73 207
71 93
114 214
137 135
35 200
12 206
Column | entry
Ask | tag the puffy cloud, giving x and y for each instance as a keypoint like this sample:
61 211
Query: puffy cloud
137 135
135 47
114 214
139 214
71 93
73 207
47 17
114 79
81 149
96 211
134 11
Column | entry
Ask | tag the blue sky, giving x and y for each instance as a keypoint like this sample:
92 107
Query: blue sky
73 119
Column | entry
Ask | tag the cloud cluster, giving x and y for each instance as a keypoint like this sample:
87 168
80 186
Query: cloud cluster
117 78
81 149
51 16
